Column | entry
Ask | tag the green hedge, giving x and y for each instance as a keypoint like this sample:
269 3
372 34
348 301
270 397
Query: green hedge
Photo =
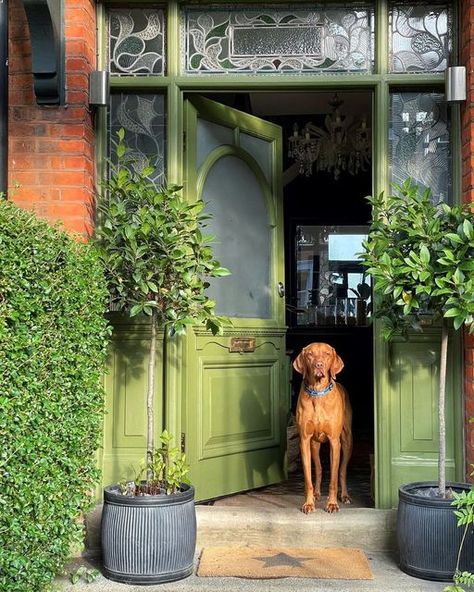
53 340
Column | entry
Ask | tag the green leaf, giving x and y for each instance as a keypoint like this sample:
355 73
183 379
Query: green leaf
120 151
452 312
136 309
220 272
424 254
467 228
453 237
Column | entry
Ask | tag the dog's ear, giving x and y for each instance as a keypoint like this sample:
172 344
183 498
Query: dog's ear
299 362
336 366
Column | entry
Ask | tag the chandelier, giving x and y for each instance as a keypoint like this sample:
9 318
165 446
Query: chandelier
341 145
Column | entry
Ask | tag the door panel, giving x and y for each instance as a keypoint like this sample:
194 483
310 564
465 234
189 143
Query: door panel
413 395
125 385
237 396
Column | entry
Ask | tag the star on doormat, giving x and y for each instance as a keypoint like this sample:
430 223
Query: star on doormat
283 559
264 563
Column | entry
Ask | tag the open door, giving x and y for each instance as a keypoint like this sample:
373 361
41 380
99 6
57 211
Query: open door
237 384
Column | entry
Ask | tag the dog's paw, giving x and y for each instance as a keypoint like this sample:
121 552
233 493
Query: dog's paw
308 508
317 496
345 499
332 507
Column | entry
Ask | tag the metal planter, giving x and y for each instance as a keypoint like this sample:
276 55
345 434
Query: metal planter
149 539
428 536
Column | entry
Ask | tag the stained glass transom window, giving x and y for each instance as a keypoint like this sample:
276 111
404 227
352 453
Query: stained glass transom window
420 141
136 41
287 40
142 116
419 37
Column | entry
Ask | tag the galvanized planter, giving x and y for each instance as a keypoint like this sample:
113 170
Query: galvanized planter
149 539
428 536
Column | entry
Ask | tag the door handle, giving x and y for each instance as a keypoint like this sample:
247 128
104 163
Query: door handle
281 289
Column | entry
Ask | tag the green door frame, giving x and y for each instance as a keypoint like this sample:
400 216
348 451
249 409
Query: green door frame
380 83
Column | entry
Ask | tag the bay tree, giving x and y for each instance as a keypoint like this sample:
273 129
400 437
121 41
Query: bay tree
420 255
157 257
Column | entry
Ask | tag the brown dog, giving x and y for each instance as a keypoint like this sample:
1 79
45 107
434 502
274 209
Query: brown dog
323 413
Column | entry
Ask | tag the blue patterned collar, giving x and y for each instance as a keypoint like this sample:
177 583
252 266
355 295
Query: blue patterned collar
321 393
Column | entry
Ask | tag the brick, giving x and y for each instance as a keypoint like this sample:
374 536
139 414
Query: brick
78 81
24 178
78 64
67 210
62 178
80 225
77 194
70 146
77 97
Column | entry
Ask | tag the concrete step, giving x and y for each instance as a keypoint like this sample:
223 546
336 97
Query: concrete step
365 528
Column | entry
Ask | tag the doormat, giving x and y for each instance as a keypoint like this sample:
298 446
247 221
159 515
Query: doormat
341 563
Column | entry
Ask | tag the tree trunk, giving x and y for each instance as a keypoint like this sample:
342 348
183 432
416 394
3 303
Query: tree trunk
150 437
442 411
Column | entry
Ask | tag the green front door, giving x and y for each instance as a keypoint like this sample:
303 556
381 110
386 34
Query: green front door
236 399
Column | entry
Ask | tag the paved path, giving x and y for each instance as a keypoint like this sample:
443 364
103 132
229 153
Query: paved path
387 578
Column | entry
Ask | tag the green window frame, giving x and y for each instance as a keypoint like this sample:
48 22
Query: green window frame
175 85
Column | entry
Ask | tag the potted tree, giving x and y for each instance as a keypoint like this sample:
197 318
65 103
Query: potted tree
421 258
157 262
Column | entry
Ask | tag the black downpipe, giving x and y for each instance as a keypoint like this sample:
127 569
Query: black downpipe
3 96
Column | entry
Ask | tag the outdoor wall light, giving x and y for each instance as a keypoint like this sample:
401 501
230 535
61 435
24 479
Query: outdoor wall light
99 88
455 84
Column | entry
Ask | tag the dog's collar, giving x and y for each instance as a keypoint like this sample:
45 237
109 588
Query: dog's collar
321 393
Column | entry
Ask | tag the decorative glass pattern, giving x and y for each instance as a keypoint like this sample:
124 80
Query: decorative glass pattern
419 35
420 141
288 40
143 119
136 41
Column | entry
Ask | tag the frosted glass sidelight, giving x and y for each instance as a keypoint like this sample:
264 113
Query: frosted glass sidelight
419 141
143 119
291 39
136 41
419 37
211 135
241 225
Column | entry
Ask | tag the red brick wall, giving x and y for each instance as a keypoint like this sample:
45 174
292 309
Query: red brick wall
467 117
51 148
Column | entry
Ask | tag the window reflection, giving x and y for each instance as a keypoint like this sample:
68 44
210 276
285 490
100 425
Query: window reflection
332 288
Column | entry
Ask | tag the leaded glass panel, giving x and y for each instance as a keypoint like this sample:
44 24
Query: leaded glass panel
419 37
286 40
419 141
136 41
142 116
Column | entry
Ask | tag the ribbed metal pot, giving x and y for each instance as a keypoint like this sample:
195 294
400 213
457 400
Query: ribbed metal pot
428 536
149 539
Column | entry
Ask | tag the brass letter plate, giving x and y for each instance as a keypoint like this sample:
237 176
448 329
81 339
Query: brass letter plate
242 344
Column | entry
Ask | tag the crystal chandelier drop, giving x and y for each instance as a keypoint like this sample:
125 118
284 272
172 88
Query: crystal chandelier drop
341 145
